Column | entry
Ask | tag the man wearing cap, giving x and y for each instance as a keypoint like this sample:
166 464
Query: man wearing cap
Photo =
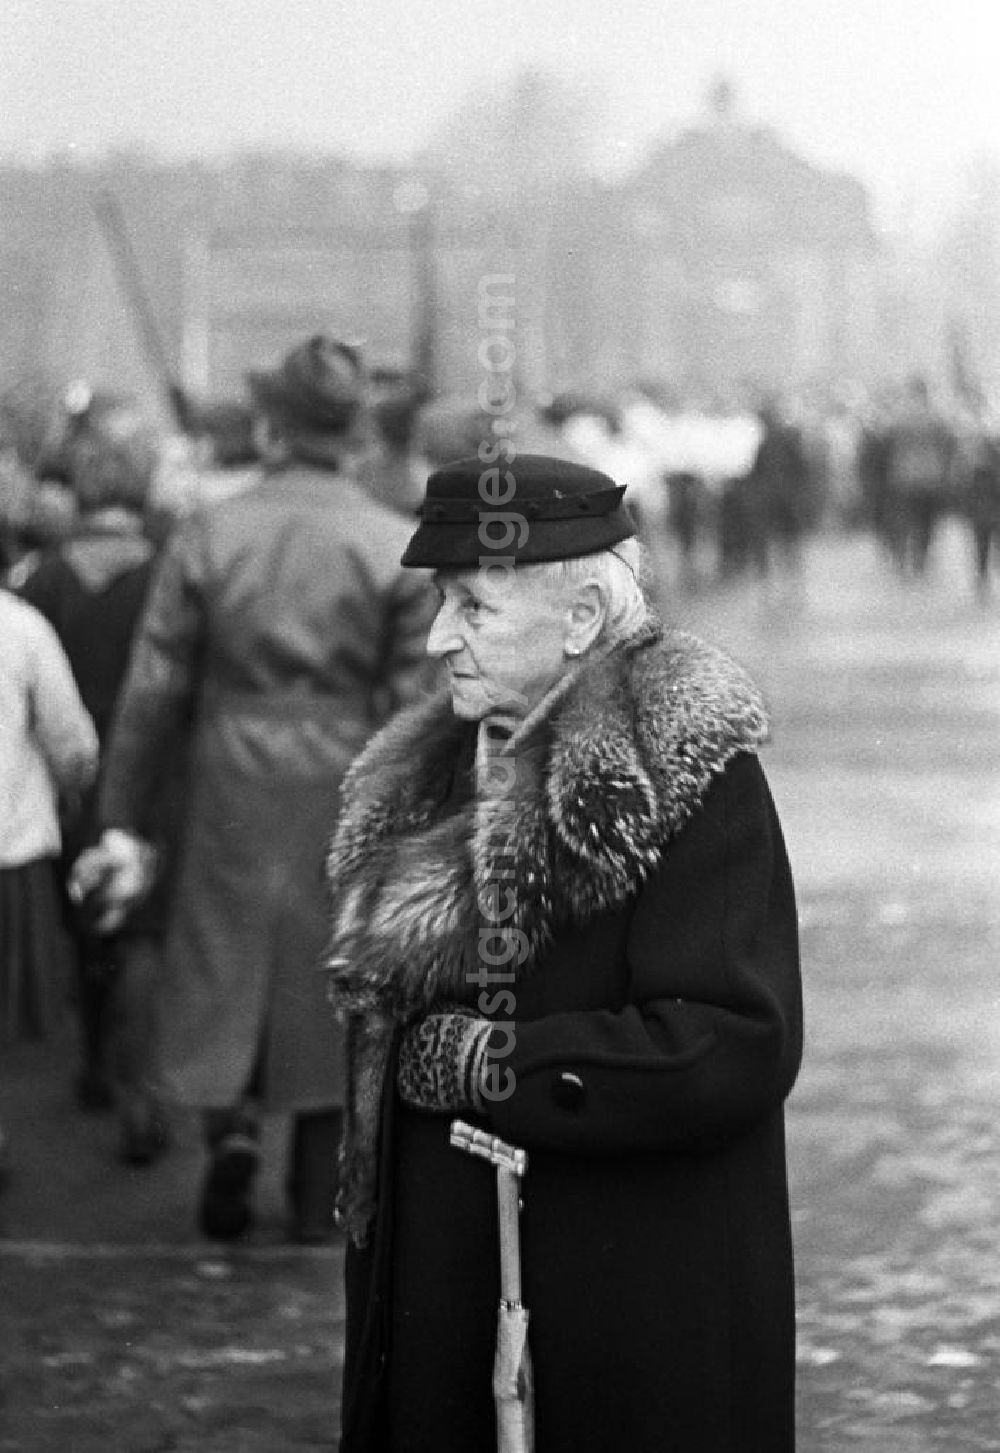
280 633
565 914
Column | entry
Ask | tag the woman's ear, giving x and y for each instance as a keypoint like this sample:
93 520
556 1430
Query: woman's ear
585 617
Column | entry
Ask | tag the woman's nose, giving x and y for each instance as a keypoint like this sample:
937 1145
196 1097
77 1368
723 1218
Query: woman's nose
444 637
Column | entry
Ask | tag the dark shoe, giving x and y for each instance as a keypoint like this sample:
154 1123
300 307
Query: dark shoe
145 1135
226 1210
93 1091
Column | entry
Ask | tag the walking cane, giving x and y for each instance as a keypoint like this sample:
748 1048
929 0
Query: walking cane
513 1390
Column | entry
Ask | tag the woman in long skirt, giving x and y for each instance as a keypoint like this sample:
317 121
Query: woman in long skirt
48 751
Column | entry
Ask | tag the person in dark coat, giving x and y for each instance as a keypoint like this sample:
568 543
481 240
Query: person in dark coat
91 588
563 911
280 633
982 499
779 492
920 455
873 480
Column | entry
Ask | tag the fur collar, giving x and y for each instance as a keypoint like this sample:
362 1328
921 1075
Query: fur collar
563 821
566 820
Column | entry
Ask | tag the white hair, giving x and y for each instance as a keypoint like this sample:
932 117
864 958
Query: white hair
620 570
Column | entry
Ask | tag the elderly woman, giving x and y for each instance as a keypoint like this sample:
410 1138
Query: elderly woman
564 912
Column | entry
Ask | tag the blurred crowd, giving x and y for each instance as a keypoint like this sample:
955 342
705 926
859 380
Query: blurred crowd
722 486
199 630
725 485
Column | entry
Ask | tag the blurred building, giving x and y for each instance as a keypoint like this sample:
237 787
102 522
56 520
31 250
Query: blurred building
727 263
747 263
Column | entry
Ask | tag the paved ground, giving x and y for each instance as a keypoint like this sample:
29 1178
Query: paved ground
886 701
123 1332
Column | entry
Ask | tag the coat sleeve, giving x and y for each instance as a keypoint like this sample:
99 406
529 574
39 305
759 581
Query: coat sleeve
59 720
710 1037
160 688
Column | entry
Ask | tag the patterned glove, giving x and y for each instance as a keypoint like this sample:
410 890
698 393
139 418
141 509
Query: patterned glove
441 1061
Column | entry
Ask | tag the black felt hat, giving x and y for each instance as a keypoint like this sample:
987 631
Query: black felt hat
317 387
532 509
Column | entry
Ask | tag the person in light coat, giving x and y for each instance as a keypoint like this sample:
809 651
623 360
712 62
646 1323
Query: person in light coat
279 634
48 757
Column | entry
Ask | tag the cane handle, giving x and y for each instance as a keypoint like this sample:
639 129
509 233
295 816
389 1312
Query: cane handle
490 1147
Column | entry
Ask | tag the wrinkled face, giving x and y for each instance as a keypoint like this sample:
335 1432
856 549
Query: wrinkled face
502 638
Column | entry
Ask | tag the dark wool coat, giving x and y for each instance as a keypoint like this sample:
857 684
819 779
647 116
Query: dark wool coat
656 1033
280 633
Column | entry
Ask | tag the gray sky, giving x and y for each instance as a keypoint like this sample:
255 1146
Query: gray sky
904 93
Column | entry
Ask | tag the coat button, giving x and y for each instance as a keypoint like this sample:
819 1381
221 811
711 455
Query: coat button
568 1091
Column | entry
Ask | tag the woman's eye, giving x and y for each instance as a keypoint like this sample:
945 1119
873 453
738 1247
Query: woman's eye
471 606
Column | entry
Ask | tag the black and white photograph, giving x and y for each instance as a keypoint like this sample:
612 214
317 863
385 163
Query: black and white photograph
499 727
